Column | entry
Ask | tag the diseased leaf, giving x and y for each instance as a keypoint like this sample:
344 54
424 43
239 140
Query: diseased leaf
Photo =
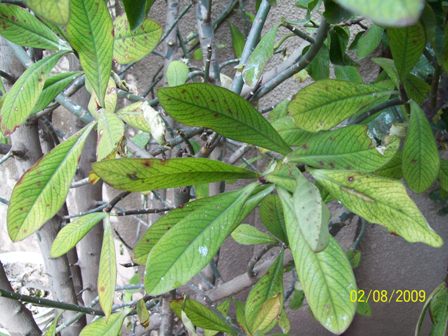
90 32
223 111
259 57
271 214
238 40
268 287
312 214
110 134
326 277
132 46
325 104
56 11
438 308
270 312
143 313
105 326
246 234
134 116
381 201
107 276
110 100
73 232
348 148
21 99
52 87
420 154
151 174
407 46
386 12
190 245
41 191
20 27
177 73
202 316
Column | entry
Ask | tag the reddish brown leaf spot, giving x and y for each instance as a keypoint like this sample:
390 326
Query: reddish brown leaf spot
147 163
351 179
132 176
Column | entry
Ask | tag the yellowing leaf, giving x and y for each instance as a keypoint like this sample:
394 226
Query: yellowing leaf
134 116
107 276
20 100
420 154
56 11
177 73
73 232
41 191
381 201
132 46
105 326
110 134
90 32
269 312
326 103
152 174
386 12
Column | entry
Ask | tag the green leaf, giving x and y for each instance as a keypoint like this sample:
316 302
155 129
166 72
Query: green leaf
354 256
285 176
143 313
326 277
165 223
136 11
296 300
91 34
325 104
254 67
177 73
223 308
416 88
223 111
190 245
293 135
56 11
151 174
364 309
246 234
392 169
20 27
386 12
369 41
202 316
312 214
240 318
389 68
380 201
319 68
110 134
105 326
132 46
20 100
41 191
407 46
348 148
339 37
52 87
420 155
443 174
348 73
107 276
51 330
438 309
73 232
268 287
271 214
238 40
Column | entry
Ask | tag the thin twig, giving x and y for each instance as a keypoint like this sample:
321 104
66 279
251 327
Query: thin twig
139 212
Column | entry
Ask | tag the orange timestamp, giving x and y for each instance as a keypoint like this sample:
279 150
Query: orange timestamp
388 296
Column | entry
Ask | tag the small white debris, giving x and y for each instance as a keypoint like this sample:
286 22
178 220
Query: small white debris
203 251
